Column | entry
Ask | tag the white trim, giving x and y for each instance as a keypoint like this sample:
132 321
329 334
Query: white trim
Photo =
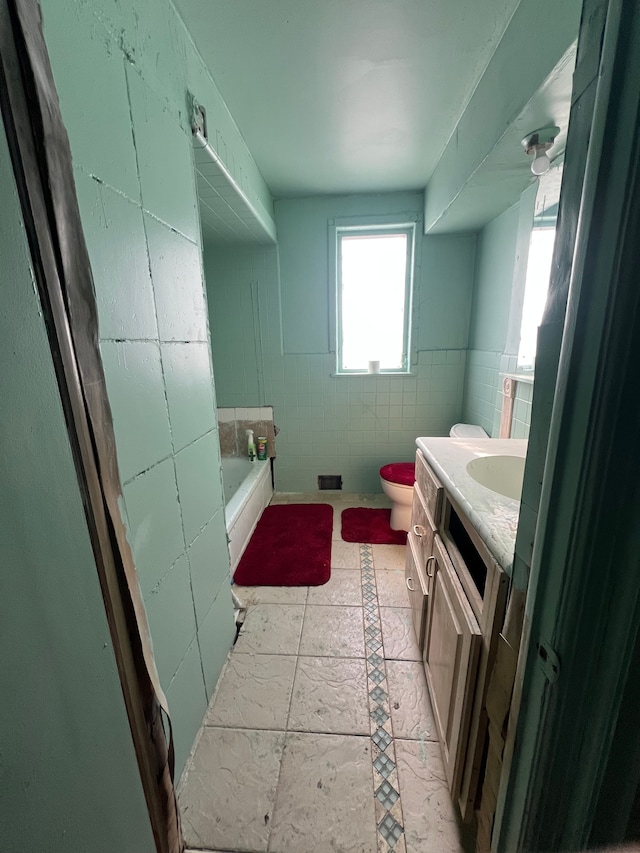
398 373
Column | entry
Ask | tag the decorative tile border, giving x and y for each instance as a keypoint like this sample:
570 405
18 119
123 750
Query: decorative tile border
386 791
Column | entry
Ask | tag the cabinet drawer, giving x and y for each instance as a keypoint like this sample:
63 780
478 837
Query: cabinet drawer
416 580
422 526
430 488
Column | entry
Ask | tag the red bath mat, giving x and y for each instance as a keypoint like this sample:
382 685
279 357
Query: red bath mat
370 525
291 546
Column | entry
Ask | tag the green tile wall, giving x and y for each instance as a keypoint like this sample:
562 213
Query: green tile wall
271 346
68 770
522 410
199 484
154 521
187 696
187 378
481 389
124 72
207 583
213 628
135 383
171 618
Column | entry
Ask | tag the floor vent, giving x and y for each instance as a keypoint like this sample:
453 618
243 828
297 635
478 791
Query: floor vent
329 481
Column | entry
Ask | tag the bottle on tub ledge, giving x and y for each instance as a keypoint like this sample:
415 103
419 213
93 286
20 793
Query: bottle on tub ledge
251 445
262 448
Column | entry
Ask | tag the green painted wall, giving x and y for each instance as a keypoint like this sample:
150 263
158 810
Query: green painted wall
494 278
490 318
494 335
123 73
68 772
270 330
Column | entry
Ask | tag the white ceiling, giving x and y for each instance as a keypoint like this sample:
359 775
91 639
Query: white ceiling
341 96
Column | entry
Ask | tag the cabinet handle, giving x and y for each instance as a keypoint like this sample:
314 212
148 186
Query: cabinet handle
432 557
419 530
409 581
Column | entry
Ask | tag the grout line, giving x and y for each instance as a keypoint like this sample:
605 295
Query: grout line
286 726
171 455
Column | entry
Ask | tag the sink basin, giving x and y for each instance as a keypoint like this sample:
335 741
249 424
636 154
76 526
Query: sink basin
502 474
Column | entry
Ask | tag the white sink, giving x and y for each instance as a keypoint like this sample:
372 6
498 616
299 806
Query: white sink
502 474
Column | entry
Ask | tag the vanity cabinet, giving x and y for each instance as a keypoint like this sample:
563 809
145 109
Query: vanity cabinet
457 593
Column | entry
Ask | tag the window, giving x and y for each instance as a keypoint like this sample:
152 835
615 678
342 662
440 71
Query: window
535 293
538 271
374 282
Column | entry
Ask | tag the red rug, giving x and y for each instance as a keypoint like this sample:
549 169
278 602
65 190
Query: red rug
370 525
291 546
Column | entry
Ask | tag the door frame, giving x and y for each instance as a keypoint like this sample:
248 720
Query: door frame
571 769
43 172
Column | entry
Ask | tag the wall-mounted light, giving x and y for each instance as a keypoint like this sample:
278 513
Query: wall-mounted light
537 144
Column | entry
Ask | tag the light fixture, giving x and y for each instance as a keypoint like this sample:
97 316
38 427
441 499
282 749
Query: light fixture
538 143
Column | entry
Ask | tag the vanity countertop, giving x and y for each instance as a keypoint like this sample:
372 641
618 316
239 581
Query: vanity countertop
494 516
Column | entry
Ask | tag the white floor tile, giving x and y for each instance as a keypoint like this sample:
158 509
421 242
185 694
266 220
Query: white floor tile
389 556
330 695
255 692
324 802
335 631
271 629
392 588
411 714
430 820
229 795
343 587
345 555
398 635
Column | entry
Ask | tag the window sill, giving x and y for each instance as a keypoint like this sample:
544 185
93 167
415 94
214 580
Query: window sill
527 377
385 375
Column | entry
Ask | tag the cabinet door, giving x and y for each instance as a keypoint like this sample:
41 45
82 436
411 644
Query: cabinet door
416 580
430 488
422 526
450 656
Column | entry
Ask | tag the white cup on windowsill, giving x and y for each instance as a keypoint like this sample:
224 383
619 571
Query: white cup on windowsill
374 366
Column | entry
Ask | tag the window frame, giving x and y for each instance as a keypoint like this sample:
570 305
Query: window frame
382 225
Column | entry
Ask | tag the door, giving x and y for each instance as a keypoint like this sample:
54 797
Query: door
451 649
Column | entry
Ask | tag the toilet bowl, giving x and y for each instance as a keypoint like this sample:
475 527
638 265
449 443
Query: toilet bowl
467 431
397 481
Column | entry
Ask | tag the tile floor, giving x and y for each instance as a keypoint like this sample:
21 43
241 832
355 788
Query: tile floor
320 735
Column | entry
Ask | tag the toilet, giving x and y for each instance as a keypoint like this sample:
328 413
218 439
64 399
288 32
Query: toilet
467 431
397 479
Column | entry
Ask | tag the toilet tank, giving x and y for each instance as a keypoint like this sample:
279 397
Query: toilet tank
467 431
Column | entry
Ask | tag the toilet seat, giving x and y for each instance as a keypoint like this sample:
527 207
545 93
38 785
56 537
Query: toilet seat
400 473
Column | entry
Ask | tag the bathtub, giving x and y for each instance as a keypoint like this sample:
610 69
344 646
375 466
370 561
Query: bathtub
247 491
